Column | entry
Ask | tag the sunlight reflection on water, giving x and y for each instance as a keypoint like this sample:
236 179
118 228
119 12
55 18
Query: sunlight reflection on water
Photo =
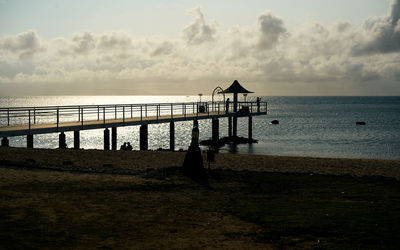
309 126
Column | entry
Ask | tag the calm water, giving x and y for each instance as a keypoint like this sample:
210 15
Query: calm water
309 126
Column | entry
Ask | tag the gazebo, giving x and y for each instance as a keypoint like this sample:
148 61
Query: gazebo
236 88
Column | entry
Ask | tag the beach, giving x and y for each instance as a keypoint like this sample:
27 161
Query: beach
141 160
91 199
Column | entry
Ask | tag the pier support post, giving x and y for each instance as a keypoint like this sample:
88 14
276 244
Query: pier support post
29 141
215 129
229 126
144 145
172 136
250 127
114 138
106 139
76 139
61 141
234 126
5 142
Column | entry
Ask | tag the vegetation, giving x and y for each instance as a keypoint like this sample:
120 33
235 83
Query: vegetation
162 208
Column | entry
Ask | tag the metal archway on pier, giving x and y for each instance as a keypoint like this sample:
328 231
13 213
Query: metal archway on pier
212 97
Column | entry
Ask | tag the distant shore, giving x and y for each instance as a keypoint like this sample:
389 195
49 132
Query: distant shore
93 160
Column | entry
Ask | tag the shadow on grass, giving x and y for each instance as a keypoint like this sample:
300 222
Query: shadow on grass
298 210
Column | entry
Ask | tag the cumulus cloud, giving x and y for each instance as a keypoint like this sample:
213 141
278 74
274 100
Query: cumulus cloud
24 44
382 34
271 28
199 32
311 59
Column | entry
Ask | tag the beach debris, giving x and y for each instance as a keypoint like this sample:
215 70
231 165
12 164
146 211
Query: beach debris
275 122
361 123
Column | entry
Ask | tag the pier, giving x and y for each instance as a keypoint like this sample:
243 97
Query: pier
30 121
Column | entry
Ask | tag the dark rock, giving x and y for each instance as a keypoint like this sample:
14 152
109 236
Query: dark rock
361 123
275 122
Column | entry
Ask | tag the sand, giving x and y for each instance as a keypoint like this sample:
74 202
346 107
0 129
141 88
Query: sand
94 199
99 160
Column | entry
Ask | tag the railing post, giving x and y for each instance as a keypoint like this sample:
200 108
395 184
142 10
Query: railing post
193 109
34 115
184 110
172 112
218 107
58 116
29 120
145 107
79 113
123 114
98 113
115 112
141 113
104 116
82 116
131 112
8 117
251 108
207 107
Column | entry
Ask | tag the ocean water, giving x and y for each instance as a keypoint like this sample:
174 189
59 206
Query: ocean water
309 126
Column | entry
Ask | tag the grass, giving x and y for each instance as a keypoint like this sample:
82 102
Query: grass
42 209
322 211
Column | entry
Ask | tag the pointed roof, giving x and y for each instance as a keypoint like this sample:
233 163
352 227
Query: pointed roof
236 88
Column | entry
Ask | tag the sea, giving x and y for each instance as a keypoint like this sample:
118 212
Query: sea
308 126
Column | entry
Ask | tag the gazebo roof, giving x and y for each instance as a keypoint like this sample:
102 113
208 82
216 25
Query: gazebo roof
236 88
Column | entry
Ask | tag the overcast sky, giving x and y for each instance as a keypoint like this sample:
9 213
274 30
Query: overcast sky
285 47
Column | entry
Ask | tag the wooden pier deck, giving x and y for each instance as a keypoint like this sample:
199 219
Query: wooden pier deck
52 119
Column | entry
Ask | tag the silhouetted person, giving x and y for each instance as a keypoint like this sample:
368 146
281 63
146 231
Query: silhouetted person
129 147
258 104
227 106
123 146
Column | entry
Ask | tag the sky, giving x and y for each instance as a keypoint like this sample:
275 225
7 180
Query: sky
185 47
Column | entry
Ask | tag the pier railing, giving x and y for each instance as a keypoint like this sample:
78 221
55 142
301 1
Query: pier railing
18 116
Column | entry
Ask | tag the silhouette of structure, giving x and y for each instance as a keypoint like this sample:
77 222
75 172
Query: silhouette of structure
235 89
30 121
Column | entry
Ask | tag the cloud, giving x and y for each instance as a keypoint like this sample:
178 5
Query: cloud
199 32
310 59
271 28
382 34
24 44
83 43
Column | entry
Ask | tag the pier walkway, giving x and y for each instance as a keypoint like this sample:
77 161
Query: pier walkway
28 121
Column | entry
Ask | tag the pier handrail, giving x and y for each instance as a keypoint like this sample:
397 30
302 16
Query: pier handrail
16 116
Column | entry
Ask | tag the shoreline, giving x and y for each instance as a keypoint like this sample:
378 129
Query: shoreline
93 160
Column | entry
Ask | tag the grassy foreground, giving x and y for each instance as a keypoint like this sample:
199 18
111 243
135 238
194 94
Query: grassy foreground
161 208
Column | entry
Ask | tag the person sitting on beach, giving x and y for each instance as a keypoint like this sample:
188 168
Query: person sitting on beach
123 147
129 147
